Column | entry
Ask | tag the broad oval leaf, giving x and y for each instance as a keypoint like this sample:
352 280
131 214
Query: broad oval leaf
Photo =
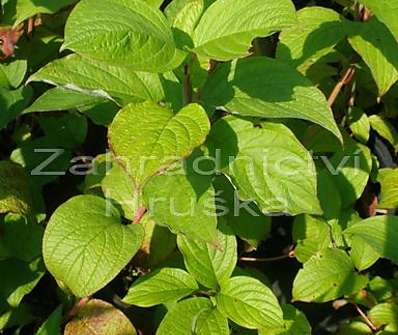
160 287
385 129
105 80
249 303
267 88
380 232
147 138
210 263
268 165
182 317
130 33
378 48
85 245
228 26
316 33
327 276
99 317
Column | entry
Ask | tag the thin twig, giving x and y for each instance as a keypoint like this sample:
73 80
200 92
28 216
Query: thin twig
188 93
366 319
345 80
268 259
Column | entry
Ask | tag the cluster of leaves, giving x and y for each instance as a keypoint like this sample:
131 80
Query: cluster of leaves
151 149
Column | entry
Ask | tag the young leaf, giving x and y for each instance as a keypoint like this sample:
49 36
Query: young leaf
52 326
327 276
160 287
212 322
228 26
378 48
267 165
99 317
380 232
210 263
131 33
249 303
386 11
388 179
105 80
147 138
85 245
182 317
279 92
316 33
15 196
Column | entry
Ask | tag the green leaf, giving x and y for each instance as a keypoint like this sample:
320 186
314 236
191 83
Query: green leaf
185 202
147 138
362 254
228 26
327 276
386 11
388 179
99 317
350 168
359 124
15 71
52 326
182 317
385 314
118 186
245 219
60 99
312 234
19 239
212 322
104 80
385 129
329 195
380 232
211 264
15 196
12 103
378 48
85 245
18 279
355 328
131 33
316 33
280 92
17 11
268 165
160 287
295 323
249 303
